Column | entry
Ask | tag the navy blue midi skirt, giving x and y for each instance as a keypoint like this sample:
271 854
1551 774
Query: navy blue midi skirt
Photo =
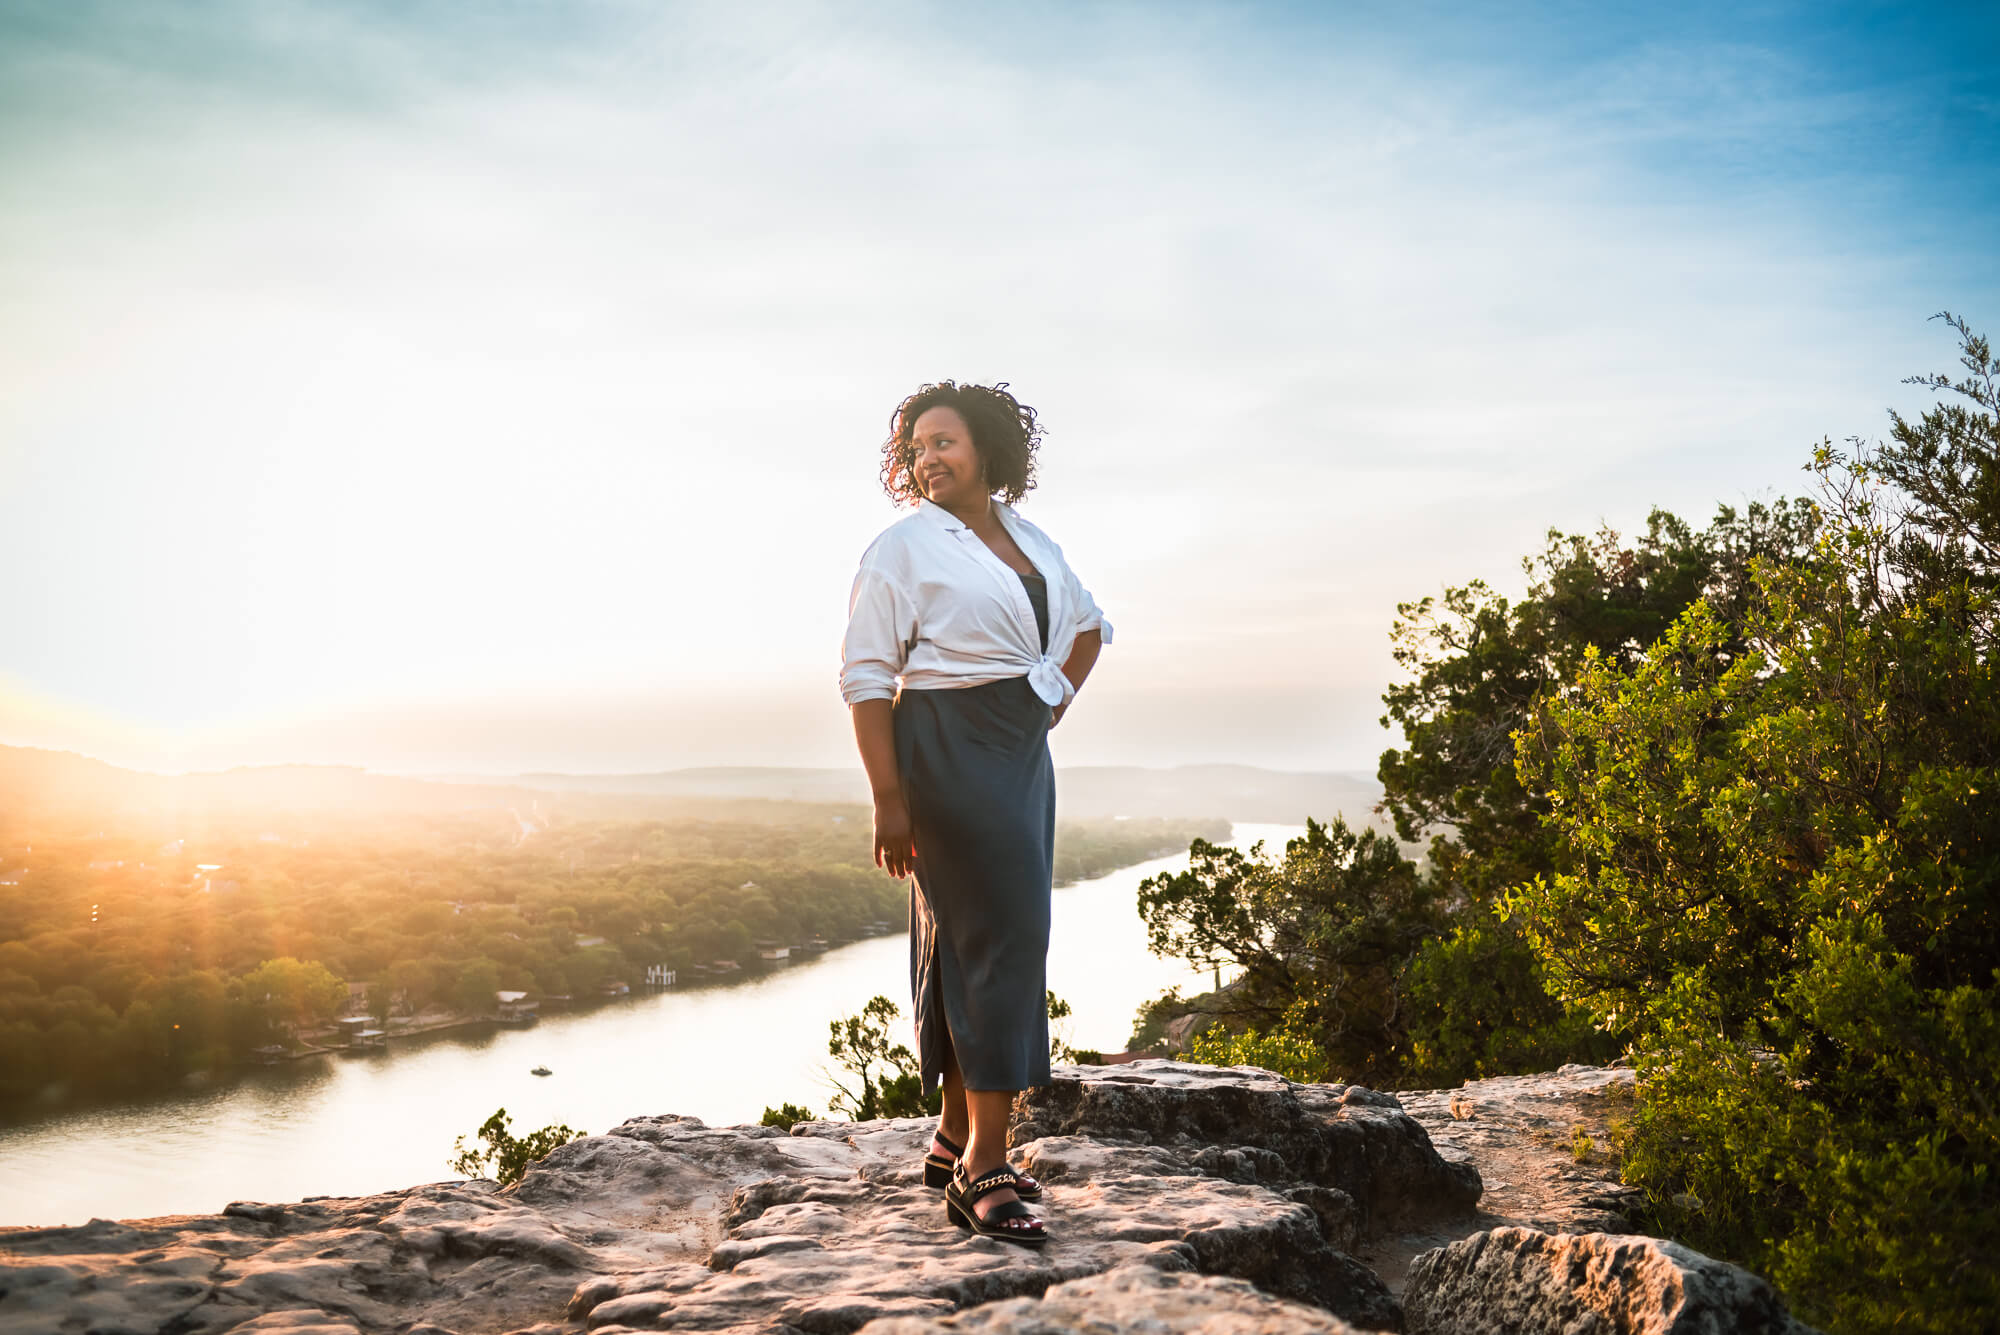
981 787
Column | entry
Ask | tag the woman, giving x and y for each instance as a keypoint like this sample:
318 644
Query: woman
975 611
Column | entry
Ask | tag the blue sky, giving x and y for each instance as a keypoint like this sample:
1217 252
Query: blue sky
455 387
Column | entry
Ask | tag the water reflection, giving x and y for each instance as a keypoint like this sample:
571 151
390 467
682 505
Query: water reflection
353 1124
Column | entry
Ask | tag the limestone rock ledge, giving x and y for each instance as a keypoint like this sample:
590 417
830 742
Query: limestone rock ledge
1181 1199
664 1222
1518 1281
1132 1299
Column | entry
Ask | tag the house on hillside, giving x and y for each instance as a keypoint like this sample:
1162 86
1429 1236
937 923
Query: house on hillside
515 1008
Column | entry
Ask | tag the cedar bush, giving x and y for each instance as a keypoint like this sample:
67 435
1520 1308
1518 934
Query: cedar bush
1778 875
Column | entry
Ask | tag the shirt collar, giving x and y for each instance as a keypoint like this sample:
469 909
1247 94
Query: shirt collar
950 522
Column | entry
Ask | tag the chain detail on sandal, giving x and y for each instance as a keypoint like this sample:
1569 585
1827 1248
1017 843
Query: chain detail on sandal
963 1194
937 1170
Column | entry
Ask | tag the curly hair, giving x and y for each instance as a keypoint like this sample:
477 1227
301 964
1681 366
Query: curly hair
1004 432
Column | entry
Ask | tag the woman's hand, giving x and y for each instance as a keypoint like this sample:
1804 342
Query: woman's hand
875 734
895 846
1056 712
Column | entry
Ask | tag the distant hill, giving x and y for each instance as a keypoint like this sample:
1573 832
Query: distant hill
62 790
59 792
1087 792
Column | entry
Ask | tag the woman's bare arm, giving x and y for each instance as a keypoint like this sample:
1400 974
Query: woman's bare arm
1082 658
875 735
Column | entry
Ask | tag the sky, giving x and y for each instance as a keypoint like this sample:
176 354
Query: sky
484 388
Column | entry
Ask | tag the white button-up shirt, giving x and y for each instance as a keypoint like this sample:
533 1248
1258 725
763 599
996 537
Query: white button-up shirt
934 608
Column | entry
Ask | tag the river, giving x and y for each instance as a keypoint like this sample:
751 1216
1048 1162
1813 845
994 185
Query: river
354 1124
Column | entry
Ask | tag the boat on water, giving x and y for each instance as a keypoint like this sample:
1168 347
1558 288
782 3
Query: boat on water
541 1070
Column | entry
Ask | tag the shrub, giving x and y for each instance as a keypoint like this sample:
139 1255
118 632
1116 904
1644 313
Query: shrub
1289 1049
786 1116
508 1156
1779 873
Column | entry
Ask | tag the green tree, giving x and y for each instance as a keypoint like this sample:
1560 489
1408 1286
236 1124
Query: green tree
1779 873
294 994
378 1001
422 980
509 1156
1479 665
473 993
881 1077
1320 938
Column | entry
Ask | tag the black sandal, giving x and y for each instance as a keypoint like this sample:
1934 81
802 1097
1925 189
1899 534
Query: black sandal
937 1171
961 1195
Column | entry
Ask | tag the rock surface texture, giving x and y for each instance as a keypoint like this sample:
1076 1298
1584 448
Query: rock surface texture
1179 1198
666 1223
1515 1281
1136 1300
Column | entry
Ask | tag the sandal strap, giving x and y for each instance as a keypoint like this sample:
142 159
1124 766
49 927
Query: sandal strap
996 1179
958 1152
1001 1213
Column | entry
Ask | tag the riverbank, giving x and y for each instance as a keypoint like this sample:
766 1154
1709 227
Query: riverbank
722 1051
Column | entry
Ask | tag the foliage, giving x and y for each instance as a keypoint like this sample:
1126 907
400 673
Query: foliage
1476 1004
889 1079
1290 1048
1479 663
295 993
1319 938
1059 1012
1778 872
1149 1025
509 1156
880 1078
786 1116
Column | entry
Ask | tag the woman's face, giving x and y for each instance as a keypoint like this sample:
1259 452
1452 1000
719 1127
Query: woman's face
945 462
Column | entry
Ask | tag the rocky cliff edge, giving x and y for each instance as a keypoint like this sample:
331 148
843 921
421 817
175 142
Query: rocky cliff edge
1180 1198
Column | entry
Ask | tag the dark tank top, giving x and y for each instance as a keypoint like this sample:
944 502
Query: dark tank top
1038 594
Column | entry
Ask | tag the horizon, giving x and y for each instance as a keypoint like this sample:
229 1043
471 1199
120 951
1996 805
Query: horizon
479 776
454 391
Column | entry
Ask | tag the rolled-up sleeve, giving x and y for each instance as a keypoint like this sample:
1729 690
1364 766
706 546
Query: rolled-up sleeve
881 624
1088 615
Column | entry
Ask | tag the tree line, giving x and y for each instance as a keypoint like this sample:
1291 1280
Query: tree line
127 965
